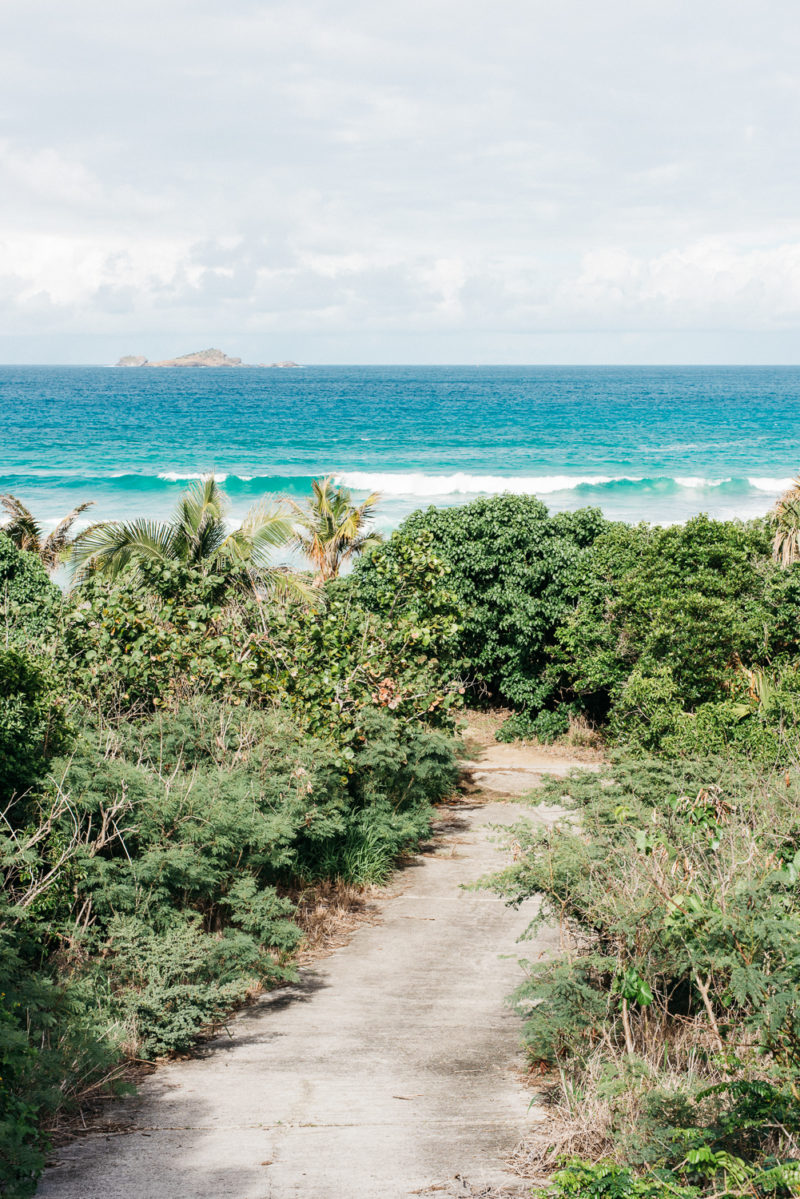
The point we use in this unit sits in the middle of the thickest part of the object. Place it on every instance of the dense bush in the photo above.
(50, 1050)
(127, 648)
(672, 1014)
(28, 600)
(131, 649)
(337, 665)
(222, 749)
(668, 623)
(515, 572)
(33, 723)
(673, 640)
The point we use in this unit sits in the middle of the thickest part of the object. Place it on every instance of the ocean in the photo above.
(642, 443)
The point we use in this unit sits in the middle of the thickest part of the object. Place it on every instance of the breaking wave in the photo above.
(413, 483)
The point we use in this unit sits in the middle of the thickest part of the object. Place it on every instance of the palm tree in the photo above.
(27, 534)
(331, 529)
(197, 535)
(786, 519)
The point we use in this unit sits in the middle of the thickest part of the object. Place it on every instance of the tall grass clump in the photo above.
(669, 1019)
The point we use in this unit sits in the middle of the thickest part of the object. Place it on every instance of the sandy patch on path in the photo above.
(516, 767)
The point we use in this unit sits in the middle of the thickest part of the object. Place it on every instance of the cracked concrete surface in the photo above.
(392, 1067)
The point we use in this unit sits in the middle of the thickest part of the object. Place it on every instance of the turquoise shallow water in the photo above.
(658, 444)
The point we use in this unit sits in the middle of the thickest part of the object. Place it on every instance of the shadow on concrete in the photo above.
(158, 1125)
(310, 983)
(164, 1147)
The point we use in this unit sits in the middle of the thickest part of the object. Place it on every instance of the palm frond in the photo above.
(58, 542)
(266, 527)
(364, 544)
(15, 507)
(196, 535)
(23, 529)
(330, 529)
(786, 519)
(282, 584)
(199, 521)
(111, 546)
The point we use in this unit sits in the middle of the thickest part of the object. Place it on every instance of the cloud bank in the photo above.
(311, 179)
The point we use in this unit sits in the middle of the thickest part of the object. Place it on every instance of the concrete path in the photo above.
(515, 769)
(391, 1068)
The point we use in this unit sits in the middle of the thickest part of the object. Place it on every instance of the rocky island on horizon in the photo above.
(205, 358)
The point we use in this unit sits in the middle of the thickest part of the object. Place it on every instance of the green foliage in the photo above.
(144, 880)
(129, 649)
(663, 622)
(338, 666)
(653, 633)
(28, 600)
(785, 520)
(545, 726)
(170, 982)
(514, 570)
(702, 1171)
(394, 777)
(676, 892)
(49, 1049)
(32, 719)
(405, 577)
(607, 1180)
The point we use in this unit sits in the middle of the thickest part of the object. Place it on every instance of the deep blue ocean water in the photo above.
(642, 443)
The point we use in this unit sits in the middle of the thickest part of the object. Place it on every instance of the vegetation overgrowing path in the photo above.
(392, 1068)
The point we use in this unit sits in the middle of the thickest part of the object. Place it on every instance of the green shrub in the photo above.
(665, 618)
(165, 984)
(126, 649)
(675, 1005)
(515, 572)
(648, 632)
(608, 1180)
(33, 723)
(545, 726)
(337, 666)
(29, 602)
(50, 1049)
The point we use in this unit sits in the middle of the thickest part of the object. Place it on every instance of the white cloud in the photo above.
(70, 271)
(444, 168)
(712, 282)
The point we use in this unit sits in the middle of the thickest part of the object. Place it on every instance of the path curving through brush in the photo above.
(393, 1068)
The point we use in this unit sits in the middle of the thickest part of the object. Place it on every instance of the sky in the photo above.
(419, 182)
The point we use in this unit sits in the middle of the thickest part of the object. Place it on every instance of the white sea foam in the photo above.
(768, 484)
(171, 476)
(419, 484)
(414, 483)
(696, 481)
